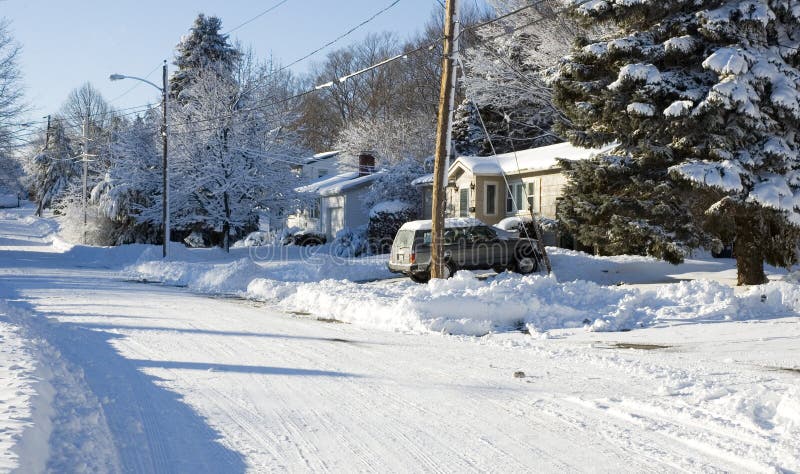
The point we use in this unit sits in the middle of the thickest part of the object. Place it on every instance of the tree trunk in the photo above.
(749, 255)
(226, 227)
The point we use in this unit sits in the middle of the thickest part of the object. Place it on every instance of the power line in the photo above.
(403, 55)
(337, 39)
(257, 16)
(427, 46)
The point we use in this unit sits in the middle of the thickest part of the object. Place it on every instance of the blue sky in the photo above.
(66, 43)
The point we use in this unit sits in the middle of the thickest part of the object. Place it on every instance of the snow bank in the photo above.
(324, 285)
(234, 277)
(466, 305)
(59, 424)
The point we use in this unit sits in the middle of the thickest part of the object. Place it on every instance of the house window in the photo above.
(463, 198)
(531, 195)
(491, 199)
(519, 196)
(314, 211)
(516, 197)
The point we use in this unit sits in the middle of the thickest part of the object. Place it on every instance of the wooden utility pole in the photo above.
(39, 205)
(164, 169)
(85, 171)
(442, 135)
(47, 134)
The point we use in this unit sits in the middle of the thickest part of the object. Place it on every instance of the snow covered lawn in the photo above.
(132, 377)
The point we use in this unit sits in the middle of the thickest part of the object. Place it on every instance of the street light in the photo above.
(164, 173)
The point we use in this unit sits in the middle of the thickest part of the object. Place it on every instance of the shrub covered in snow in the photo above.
(255, 239)
(385, 219)
(350, 243)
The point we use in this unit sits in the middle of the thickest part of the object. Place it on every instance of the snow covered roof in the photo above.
(533, 159)
(451, 222)
(345, 185)
(422, 180)
(336, 184)
(321, 156)
(325, 182)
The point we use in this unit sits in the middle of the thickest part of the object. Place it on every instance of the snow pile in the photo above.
(18, 372)
(467, 306)
(234, 277)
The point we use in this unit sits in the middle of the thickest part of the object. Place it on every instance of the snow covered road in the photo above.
(149, 378)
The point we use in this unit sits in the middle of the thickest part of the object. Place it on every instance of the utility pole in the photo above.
(85, 171)
(47, 134)
(164, 171)
(442, 135)
(39, 205)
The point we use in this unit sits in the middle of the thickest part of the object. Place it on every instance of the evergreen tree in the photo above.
(700, 95)
(204, 47)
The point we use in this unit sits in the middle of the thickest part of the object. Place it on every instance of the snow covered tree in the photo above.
(11, 106)
(695, 92)
(394, 139)
(130, 193)
(232, 151)
(203, 47)
(52, 167)
(394, 184)
(508, 69)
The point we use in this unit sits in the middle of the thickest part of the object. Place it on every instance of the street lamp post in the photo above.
(164, 168)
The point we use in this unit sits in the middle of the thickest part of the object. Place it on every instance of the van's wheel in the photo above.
(420, 277)
(526, 262)
(499, 269)
(448, 269)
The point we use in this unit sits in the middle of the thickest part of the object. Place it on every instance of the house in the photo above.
(507, 185)
(337, 202)
(318, 166)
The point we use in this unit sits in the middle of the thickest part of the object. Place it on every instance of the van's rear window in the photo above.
(404, 238)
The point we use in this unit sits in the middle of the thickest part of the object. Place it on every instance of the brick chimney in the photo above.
(366, 163)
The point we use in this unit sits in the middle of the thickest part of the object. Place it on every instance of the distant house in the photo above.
(508, 185)
(318, 166)
(336, 202)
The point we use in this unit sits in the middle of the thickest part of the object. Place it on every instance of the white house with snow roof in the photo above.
(336, 202)
(508, 185)
(318, 166)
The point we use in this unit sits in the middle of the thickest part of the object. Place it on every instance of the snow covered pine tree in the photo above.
(697, 93)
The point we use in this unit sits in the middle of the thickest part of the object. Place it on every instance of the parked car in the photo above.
(305, 239)
(469, 244)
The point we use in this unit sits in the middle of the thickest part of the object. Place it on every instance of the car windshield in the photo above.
(482, 234)
(404, 238)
